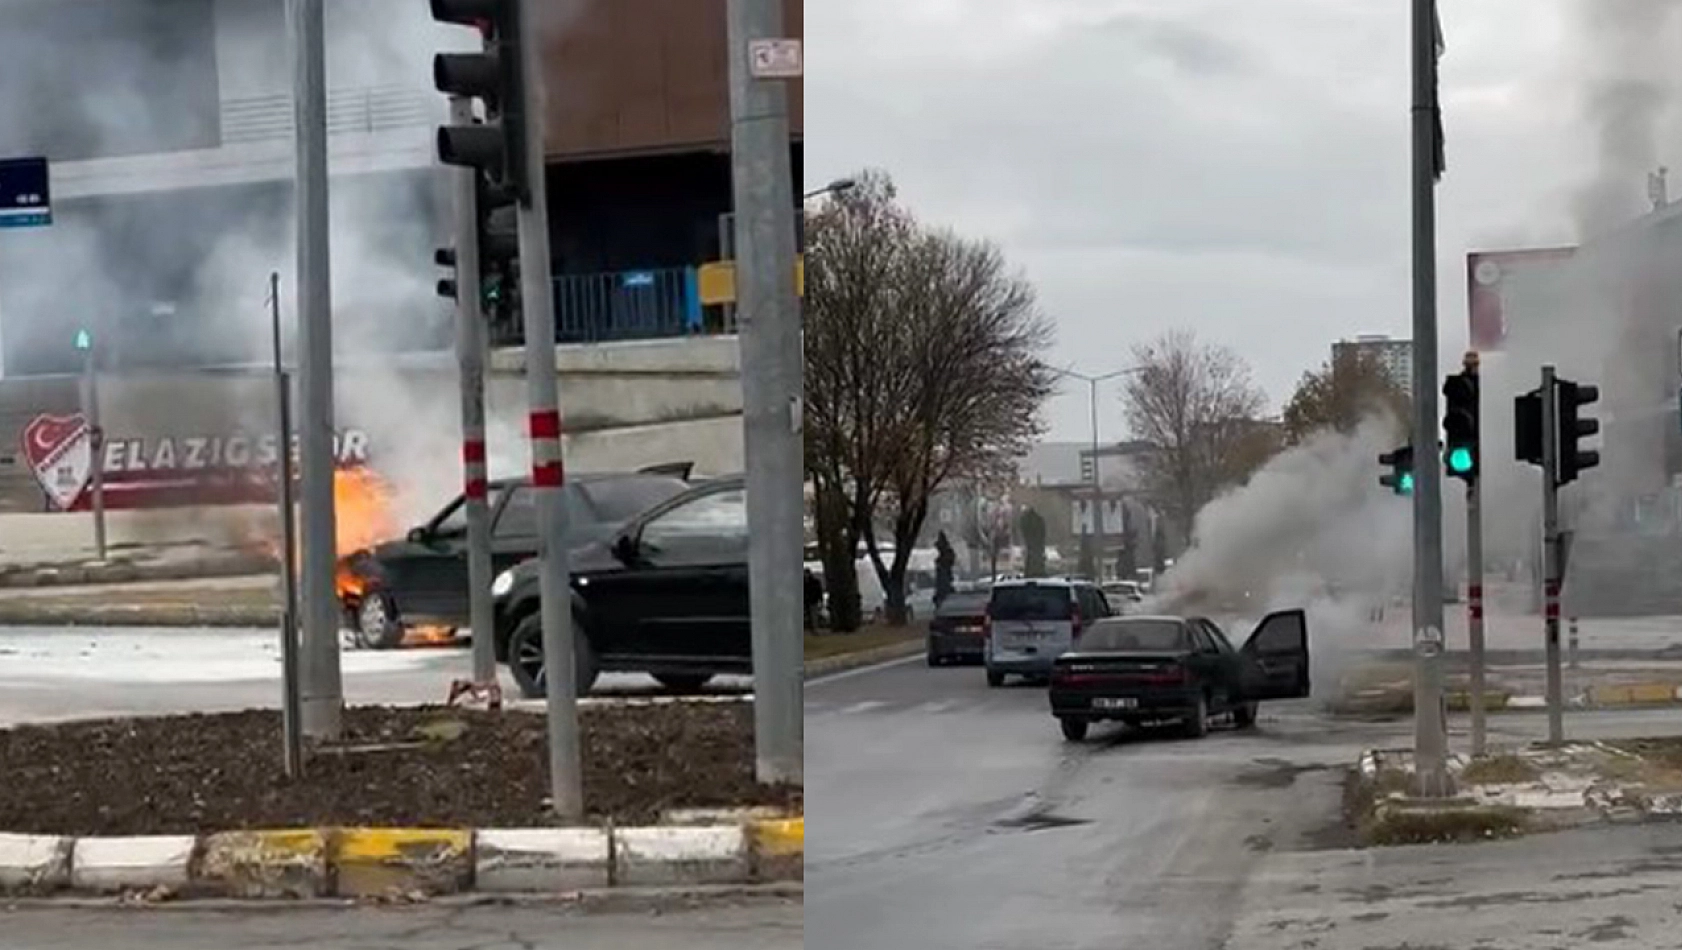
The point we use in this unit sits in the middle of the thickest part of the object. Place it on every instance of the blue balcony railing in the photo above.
(627, 305)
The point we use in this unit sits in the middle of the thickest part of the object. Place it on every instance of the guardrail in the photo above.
(364, 110)
(627, 305)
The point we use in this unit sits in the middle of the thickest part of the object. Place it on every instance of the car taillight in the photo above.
(1074, 623)
(1177, 676)
(987, 625)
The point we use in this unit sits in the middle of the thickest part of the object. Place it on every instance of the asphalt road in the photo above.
(948, 815)
(67, 673)
(757, 925)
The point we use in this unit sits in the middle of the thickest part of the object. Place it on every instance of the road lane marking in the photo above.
(862, 670)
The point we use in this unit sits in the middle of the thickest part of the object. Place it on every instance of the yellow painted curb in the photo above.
(779, 839)
(1633, 694)
(371, 862)
(254, 864)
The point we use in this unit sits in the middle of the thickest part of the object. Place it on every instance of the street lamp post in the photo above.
(1097, 485)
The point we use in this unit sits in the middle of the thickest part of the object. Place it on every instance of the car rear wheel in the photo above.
(1197, 724)
(1074, 730)
(995, 679)
(1244, 715)
(683, 682)
(525, 657)
(377, 624)
(935, 659)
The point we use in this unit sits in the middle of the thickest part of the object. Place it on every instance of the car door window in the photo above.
(518, 517)
(1221, 642)
(714, 521)
(452, 521)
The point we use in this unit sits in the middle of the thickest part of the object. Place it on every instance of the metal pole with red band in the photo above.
(471, 344)
(562, 657)
(1550, 552)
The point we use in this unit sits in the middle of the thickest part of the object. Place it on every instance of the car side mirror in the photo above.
(419, 536)
(625, 548)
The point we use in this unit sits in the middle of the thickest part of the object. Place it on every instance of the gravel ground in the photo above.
(426, 767)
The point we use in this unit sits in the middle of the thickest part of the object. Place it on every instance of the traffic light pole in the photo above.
(1474, 605)
(1430, 733)
(323, 683)
(470, 359)
(1550, 554)
(772, 365)
(566, 784)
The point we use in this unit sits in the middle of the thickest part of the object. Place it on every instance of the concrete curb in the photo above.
(407, 863)
(852, 661)
(119, 571)
(20, 612)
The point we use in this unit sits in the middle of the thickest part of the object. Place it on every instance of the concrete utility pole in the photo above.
(1430, 726)
(772, 366)
(547, 474)
(470, 359)
(323, 685)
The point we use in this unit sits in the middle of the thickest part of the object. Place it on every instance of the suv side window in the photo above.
(1100, 601)
(719, 518)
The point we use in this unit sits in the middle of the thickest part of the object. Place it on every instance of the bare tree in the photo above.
(1342, 393)
(973, 351)
(1195, 403)
(853, 248)
(923, 367)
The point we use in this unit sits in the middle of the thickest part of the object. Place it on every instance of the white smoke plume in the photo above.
(1311, 529)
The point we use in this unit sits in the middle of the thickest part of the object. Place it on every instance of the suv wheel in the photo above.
(1074, 730)
(683, 682)
(377, 623)
(525, 657)
(995, 678)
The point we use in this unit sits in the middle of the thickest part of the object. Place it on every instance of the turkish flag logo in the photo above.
(59, 450)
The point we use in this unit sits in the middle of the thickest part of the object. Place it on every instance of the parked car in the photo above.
(421, 579)
(958, 629)
(664, 594)
(1152, 669)
(1122, 595)
(1030, 622)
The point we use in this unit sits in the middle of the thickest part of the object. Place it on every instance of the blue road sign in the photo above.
(25, 201)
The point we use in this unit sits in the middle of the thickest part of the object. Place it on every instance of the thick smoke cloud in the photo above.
(1312, 529)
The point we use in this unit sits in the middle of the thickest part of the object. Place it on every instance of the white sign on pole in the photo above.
(776, 59)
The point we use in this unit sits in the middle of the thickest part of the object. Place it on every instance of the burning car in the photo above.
(419, 580)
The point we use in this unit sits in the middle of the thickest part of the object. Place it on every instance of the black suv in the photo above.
(422, 579)
(667, 594)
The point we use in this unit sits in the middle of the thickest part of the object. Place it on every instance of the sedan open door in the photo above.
(1276, 658)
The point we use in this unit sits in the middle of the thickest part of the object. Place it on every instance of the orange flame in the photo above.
(363, 514)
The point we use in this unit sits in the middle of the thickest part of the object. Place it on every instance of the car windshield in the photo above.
(963, 605)
(1143, 636)
(1031, 602)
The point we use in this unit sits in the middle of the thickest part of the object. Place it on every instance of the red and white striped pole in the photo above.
(470, 360)
(1474, 573)
(538, 310)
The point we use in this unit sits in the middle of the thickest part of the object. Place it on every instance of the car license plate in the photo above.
(1104, 702)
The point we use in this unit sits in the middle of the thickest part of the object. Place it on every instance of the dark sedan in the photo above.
(958, 630)
(1154, 669)
(422, 579)
(665, 594)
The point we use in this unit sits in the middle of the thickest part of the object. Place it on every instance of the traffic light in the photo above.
(1400, 477)
(1573, 428)
(1527, 427)
(497, 146)
(499, 264)
(445, 257)
(1460, 425)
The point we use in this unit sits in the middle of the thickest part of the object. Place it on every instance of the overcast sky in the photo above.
(1235, 167)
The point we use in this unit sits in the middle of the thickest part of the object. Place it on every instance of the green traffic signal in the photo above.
(1460, 460)
(1405, 486)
